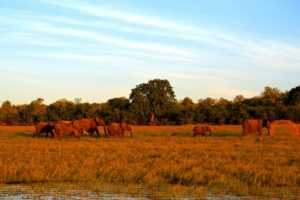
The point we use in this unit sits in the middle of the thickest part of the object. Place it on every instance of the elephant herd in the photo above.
(85, 126)
(88, 126)
(252, 126)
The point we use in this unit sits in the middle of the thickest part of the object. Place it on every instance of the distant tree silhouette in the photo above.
(155, 101)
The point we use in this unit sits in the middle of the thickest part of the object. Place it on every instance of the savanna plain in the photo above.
(159, 160)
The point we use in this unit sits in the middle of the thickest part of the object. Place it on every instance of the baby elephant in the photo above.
(201, 130)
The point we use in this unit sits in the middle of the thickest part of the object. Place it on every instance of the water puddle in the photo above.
(21, 192)
(17, 192)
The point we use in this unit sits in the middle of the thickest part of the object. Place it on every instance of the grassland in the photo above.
(161, 159)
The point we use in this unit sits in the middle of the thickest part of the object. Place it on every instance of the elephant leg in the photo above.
(52, 134)
(91, 133)
(77, 133)
(59, 136)
(38, 133)
(260, 131)
(105, 132)
(55, 135)
(97, 131)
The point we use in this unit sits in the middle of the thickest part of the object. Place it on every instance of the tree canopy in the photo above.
(155, 100)
(156, 96)
(294, 96)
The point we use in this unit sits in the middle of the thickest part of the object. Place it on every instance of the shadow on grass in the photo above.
(182, 134)
(213, 134)
(226, 134)
(16, 135)
(24, 134)
(185, 134)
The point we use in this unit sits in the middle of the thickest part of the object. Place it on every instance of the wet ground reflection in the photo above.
(27, 192)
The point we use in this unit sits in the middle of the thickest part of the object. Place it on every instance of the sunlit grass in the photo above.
(165, 157)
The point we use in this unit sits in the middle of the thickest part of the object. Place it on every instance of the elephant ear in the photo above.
(123, 126)
(100, 122)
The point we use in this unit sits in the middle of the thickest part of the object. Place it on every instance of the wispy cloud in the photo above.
(263, 53)
(48, 28)
(285, 55)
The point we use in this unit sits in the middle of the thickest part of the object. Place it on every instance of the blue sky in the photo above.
(97, 50)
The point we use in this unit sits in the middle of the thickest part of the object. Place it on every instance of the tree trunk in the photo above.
(152, 119)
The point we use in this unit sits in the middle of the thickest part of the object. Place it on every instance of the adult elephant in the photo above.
(44, 127)
(119, 129)
(63, 128)
(201, 130)
(292, 126)
(90, 125)
(255, 125)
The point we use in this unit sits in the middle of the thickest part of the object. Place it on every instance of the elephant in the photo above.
(67, 128)
(255, 125)
(90, 125)
(118, 129)
(201, 130)
(293, 127)
(44, 127)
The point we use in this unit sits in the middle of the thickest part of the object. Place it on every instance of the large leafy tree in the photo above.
(153, 98)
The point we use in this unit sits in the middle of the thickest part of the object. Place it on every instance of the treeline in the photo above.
(154, 102)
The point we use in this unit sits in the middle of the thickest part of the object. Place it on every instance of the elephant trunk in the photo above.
(268, 126)
(131, 132)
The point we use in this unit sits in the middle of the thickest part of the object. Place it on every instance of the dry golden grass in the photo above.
(158, 157)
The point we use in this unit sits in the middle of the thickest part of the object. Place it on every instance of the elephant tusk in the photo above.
(85, 133)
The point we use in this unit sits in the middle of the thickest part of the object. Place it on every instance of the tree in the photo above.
(8, 113)
(294, 96)
(185, 111)
(121, 103)
(208, 101)
(187, 101)
(238, 98)
(38, 110)
(118, 109)
(271, 94)
(62, 109)
(155, 97)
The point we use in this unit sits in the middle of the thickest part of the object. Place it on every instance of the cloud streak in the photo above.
(285, 54)
(270, 54)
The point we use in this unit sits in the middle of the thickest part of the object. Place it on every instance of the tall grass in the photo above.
(224, 163)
